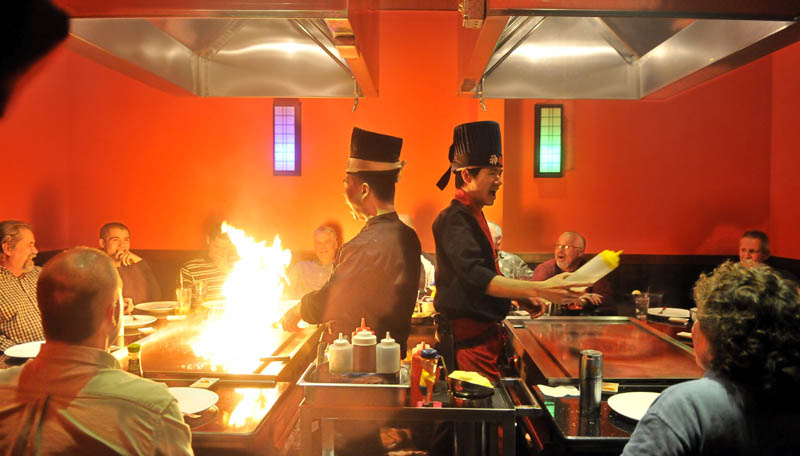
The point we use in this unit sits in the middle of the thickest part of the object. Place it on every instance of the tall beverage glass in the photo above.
(184, 298)
(641, 304)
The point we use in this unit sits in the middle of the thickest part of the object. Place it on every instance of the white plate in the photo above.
(194, 400)
(214, 304)
(668, 312)
(26, 350)
(157, 306)
(632, 405)
(137, 321)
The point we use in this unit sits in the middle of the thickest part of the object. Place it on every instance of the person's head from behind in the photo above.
(747, 327)
(221, 250)
(79, 294)
(325, 244)
(365, 191)
(115, 239)
(372, 172)
(497, 234)
(568, 250)
(17, 246)
(30, 29)
(753, 248)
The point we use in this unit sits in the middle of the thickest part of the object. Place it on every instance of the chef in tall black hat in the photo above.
(472, 296)
(376, 273)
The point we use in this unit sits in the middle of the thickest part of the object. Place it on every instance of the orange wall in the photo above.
(164, 163)
(685, 175)
(35, 149)
(682, 176)
(785, 186)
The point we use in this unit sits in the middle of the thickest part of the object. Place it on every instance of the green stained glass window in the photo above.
(548, 151)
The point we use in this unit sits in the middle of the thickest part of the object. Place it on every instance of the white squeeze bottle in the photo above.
(596, 268)
(388, 355)
(341, 355)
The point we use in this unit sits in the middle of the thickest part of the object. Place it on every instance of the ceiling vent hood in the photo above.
(229, 48)
(613, 49)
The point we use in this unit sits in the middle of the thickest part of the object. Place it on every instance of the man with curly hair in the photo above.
(746, 337)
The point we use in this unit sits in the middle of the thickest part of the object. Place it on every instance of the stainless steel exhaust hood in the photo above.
(606, 49)
(216, 48)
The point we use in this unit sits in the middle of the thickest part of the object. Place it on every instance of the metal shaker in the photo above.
(591, 386)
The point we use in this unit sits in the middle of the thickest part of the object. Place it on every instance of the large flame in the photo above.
(246, 329)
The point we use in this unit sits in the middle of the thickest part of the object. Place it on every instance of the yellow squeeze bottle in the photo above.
(596, 268)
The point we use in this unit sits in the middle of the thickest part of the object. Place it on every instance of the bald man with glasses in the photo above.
(568, 257)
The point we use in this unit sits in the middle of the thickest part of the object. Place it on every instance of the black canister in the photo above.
(591, 387)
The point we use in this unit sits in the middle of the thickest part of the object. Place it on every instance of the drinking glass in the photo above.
(655, 299)
(641, 303)
(184, 297)
(199, 289)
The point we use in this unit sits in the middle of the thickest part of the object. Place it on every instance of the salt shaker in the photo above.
(591, 386)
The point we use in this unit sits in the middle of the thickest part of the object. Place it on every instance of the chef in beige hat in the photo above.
(376, 274)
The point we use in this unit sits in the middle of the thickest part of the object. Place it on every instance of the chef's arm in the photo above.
(555, 289)
(315, 307)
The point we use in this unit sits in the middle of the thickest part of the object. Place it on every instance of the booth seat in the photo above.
(673, 275)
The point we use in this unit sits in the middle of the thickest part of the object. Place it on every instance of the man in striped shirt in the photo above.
(214, 269)
(20, 320)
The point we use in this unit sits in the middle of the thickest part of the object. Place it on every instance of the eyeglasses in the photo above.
(565, 247)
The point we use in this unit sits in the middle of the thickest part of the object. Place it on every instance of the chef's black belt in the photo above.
(480, 339)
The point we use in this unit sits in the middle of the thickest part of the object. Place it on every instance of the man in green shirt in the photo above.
(73, 398)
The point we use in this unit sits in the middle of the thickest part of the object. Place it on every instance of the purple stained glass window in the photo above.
(286, 137)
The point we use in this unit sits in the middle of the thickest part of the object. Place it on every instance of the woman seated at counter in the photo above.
(747, 339)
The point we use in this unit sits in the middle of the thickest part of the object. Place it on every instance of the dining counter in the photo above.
(637, 355)
(256, 411)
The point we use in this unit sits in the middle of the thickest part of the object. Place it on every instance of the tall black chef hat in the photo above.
(475, 145)
(371, 152)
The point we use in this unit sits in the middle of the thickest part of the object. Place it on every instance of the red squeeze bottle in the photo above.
(363, 327)
(416, 373)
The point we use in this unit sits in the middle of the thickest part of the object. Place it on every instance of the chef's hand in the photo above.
(535, 307)
(127, 258)
(128, 309)
(592, 298)
(290, 319)
(558, 290)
